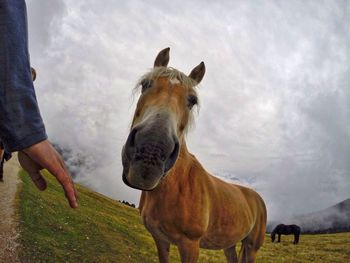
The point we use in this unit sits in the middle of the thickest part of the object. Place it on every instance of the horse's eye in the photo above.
(146, 83)
(191, 101)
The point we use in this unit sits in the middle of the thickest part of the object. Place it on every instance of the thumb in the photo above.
(38, 180)
(27, 163)
(33, 169)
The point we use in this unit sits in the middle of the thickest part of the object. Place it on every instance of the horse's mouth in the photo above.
(125, 180)
(146, 172)
(143, 185)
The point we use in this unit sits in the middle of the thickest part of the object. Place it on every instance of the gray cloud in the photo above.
(45, 16)
(274, 102)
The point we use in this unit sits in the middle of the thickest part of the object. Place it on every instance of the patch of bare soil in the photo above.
(8, 220)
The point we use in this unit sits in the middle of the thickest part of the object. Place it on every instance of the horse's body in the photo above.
(282, 229)
(183, 204)
(192, 209)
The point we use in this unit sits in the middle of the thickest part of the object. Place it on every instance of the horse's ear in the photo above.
(33, 71)
(198, 72)
(162, 58)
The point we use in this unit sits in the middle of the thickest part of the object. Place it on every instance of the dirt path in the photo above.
(8, 222)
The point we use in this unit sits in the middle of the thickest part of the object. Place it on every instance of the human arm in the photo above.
(21, 125)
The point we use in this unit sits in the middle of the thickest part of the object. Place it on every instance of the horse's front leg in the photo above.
(163, 250)
(279, 237)
(189, 250)
(231, 254)
(296, 239)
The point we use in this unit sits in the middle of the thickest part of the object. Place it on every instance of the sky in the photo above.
(274, 103)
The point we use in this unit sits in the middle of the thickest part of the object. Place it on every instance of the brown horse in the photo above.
(181, 203)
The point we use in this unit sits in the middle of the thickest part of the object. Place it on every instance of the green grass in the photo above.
(104, 230)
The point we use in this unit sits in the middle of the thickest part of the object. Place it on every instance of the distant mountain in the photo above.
(334, 219)
(76, 162)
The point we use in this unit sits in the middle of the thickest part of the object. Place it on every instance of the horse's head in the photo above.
(162, 115)
(273, 236)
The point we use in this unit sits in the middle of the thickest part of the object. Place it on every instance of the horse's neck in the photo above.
(184, 154)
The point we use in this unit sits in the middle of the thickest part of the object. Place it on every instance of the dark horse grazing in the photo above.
(181, 203)
(286, 230)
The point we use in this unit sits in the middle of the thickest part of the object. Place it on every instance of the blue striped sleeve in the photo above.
(21, 124)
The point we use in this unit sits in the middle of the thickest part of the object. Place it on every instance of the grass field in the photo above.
(104, 230)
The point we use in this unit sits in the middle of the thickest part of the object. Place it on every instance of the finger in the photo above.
(68, 187)
(63, 177)
(38, 180)
(44, 154)
(33, 169)
(65, 180)
(27, 163)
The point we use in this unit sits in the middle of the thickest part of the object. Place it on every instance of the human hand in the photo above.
(43, 156)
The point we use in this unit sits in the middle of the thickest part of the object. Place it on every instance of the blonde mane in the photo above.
(172, 73)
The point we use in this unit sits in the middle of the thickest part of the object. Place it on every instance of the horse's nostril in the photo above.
(129, 147)
(175, 151)
(173, 157)
(131, 138)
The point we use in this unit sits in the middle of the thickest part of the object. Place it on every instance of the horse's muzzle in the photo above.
(147, 156)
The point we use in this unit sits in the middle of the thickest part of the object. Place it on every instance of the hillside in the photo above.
(333, 219)
(104, 230)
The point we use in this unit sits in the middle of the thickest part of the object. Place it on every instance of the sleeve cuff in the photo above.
(14, 146)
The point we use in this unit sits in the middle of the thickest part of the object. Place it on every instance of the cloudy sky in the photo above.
(275, 101)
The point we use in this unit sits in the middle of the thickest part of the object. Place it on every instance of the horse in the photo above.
(286, 230)
(181, 203)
